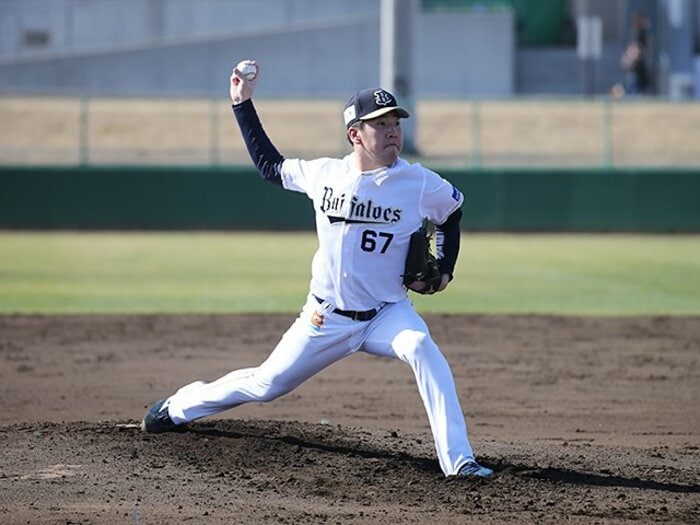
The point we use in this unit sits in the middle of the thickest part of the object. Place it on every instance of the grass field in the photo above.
(269, 272)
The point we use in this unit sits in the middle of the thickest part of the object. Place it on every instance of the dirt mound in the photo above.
(233, 471)
(585, 420)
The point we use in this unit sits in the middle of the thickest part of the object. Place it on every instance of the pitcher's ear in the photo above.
(354, 135)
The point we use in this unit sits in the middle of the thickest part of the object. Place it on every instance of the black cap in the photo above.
(371, 103)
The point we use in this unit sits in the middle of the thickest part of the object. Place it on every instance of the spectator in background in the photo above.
(634, 60)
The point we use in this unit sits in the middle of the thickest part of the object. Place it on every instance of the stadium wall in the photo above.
(222, 198)
(319, 58)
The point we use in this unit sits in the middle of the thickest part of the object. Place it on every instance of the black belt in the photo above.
(355, 315)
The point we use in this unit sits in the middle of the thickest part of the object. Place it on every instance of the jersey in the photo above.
(364, 221)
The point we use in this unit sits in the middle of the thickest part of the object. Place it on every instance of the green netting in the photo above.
(539, 22)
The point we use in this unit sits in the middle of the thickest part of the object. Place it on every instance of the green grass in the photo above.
(268, 272)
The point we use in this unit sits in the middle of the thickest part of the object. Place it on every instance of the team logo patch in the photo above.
(456, 194)
(349, 114)
(317, 321)
(383, 98)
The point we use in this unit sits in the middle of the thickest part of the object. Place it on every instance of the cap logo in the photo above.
(382, 98)
(349, 114)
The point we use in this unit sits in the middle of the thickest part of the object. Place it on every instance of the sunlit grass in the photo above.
(576, 274)
(270, 272)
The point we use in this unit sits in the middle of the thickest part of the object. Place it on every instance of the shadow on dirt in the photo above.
(348, 446)
(313, 441)
(571, 477)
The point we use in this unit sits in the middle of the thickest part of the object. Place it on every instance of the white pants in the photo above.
(307, 348)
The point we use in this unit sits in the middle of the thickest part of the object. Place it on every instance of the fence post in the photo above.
(83, 130)
(607, 134)
(214, 155)
(475, 129)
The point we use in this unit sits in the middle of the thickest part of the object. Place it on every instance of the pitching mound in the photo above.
(585, 420)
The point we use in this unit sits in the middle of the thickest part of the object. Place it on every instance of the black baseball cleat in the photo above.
(474, 470)
(157, 419)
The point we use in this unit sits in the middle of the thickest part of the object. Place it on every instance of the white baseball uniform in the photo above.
(364, 222)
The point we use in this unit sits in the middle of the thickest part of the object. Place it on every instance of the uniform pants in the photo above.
(397, 332)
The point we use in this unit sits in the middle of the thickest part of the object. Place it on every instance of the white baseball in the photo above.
(247, 69)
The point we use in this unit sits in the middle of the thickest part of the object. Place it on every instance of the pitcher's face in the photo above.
(380, 140)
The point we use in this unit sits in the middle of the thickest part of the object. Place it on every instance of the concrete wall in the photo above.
(294, 63)
(93, 25)
(306, 48)
(466, 54)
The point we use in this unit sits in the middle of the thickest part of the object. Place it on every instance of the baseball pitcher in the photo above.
(373, 211)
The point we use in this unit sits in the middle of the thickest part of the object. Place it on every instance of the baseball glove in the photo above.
(421, 264)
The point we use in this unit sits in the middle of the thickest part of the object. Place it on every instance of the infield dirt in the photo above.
(586, 420)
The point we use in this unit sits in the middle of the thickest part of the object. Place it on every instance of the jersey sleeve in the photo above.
(300, 175)
(440, 198)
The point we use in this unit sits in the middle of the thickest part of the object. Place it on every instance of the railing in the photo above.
(455, 133)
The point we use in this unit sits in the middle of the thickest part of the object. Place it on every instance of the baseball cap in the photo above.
(371, 103)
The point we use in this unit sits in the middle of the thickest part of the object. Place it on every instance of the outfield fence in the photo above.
(234, 198)
(524, 133)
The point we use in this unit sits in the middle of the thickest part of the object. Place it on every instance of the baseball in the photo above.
(247, 69)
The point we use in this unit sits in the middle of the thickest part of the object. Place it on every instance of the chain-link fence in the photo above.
(470, 133)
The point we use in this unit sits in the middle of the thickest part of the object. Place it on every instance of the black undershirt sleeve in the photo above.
(265, 156)
(447, 237)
